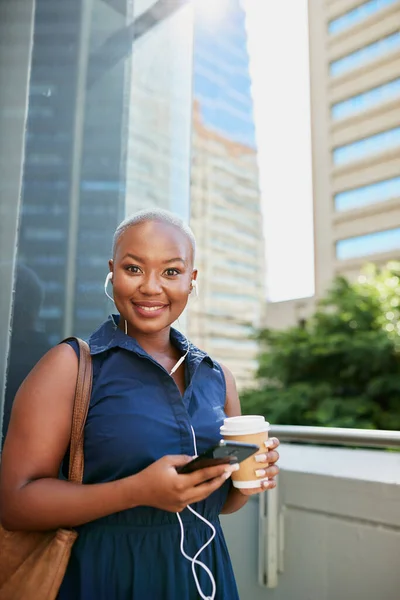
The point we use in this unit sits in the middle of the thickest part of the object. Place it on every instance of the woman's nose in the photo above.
(151, 285)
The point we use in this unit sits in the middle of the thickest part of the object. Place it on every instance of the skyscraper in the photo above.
(73, 195)
(355, 117)
(159, 121)
(355, 93)
(68, 146)
(225, 197)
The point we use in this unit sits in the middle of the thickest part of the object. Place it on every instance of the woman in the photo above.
(145, 419)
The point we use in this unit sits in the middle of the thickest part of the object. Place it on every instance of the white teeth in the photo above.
(150, 308)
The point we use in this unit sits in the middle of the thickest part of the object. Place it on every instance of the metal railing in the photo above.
(271, 524)
(374, 438)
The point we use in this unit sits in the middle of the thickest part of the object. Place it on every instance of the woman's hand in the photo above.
(270, 472)
(160, 486)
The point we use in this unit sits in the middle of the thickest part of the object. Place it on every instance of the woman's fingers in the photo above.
(264, 486)
(272, 457)
(269, 472)
(268, 484)
(202, 475)
(203, 490)
(176, 460)
(272, 443)
(269, 457)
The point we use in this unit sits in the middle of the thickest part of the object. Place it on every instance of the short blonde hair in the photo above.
(154, 214)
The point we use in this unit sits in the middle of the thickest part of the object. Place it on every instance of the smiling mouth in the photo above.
(150, 308)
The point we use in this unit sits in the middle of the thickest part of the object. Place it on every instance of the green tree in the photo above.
(341, 368)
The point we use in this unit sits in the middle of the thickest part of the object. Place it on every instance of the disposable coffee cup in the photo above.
(250, 429)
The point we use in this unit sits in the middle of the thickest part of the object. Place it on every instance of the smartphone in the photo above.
(223, 453)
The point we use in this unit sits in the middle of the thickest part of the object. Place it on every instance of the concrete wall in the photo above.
(280, 315)
(338, 528)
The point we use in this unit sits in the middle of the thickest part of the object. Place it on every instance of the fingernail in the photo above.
(260, 458)
(231, 468)
(227, 474)
(269, 443)
(260, 473)
(268, 484)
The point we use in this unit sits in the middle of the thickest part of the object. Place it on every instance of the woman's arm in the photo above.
(38, 437)
(31, 495)
(236, 499)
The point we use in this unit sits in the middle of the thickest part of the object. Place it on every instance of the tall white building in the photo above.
(355, 116)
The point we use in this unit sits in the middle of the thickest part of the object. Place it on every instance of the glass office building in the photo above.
(95, 121)
(225, 195)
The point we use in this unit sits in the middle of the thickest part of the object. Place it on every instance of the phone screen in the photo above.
(223, 453)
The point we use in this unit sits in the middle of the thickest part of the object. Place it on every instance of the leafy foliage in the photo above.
(341, 368)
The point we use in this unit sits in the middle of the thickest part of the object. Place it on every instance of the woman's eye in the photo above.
(133, 269)
(171, 272)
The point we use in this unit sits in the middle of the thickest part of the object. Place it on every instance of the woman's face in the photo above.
(152, 272)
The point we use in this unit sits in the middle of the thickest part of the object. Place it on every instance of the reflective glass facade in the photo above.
(107, 107)
(222, 84)
(226, 200)
(366, 245)
(357, 15)
(369, 99)
(365, 55)
(368, 194)
(367, 146)
(95, 122)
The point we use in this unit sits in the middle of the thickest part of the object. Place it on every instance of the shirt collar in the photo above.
(109, 336)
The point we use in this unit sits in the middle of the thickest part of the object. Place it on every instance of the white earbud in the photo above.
(108, 278)
(195, 287)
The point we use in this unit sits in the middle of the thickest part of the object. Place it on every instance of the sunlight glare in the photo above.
(211, 10)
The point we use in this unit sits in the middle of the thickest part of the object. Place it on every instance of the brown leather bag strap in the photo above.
(83, 392)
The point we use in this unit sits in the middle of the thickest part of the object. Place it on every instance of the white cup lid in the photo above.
(244, 425)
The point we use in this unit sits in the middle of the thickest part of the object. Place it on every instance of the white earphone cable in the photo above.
(194, 560)
(180, 361)
(108, 278)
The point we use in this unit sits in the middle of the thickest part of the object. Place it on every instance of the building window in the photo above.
(102, 186)
(358, 14)
(367, 147)
(365, 245)
(355, 104)
(365, 55)
(41, 234)
(368, 194)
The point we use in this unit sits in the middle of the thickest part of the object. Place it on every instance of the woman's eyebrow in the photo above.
(137, 258)
(164, 262)
(171, 260)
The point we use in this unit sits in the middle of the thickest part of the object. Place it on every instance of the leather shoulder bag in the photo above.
(33, 563)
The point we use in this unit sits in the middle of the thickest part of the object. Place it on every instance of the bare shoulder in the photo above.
(60, 360)
(40, 424)
(54, 376)
(232, 402)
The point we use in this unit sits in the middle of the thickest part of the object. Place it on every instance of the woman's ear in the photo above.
(193, 284)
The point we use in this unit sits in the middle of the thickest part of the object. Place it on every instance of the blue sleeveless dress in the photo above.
(136, 416)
